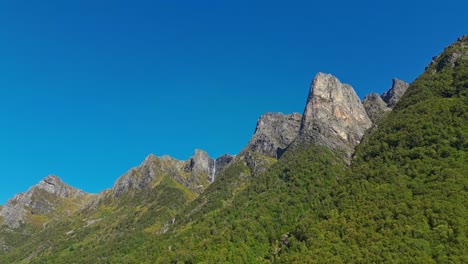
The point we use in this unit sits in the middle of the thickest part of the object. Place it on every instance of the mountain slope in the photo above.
(405, 197)
(399, 196)
(402, 200)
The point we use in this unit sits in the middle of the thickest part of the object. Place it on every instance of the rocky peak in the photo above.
(375, 107)
(200, 162)
(141, 176)
(451, 55)
(334, 115)
(42, 198)
(196, 173)
(54, 185)
(392, 96)
(274, 133)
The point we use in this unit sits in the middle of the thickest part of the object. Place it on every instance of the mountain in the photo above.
(274, 133)
(41, 202)
(392, 96)
(196, 173)
(333, 117)
(378, 106)
(321, 187)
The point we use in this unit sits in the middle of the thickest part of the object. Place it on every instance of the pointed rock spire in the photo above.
(334, 115)
(392, 96)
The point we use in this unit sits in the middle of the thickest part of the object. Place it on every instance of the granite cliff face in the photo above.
(45, 198)
(274, 133)
(333, 117)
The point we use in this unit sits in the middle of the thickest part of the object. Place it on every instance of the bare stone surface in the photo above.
(334, 116)
(196, 173)
(375, 107)
(39, 199)
(392, 96)
(274, 133)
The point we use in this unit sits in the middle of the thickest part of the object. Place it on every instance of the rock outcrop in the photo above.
(41, 199)
(333, 117)
(451, 55)
(392, 96)
(274, 133)
(378, 106)
(196, 173)
(375, 107)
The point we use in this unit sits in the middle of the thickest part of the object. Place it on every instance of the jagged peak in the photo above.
(201, 153)
(333, 116)
(396, 91)
(54, 185)
(50, 180)
(149, 160)
(450, 55)
(273, 133)
(463, 38)
(14, 212)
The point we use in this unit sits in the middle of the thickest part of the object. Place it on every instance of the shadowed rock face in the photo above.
(334, 116)
(392, 96)
(375, 107)
(39, 199)
(378, 106)
(274, 133)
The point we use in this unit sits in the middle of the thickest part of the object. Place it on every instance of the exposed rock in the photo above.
(196, 173)
(449, 59)
(274, 133)
(375, 107)
(392, 96)
(334, 116)
(42, 198)
(200, 162)
(143, 176)
(204, 168)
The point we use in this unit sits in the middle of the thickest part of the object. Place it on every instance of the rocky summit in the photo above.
(398, 89)
(378, 106)
(41, 199)
(196, 173)
(334, 116)
(375, 107)
(274, 133)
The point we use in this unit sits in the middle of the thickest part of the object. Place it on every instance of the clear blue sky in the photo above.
(89, 88)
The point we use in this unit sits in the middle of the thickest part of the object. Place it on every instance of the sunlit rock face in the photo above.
(334, 116)
(42, 198)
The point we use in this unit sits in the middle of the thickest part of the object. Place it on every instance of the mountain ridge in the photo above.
(400, 190)
(274, 134)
